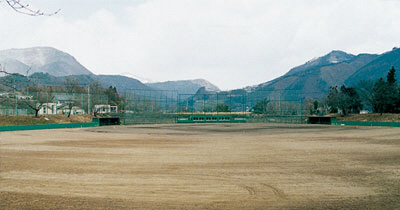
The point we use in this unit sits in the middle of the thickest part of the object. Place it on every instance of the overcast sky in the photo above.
(232, 43)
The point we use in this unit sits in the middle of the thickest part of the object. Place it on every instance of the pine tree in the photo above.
(386, 96)
(380, 96)
(391, 76)
(392, 87)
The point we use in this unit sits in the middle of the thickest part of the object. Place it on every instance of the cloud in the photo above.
(231, 43)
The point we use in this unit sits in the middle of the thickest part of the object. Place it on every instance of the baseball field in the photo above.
(207, 166)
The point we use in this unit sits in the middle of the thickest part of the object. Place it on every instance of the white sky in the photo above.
(231, 43)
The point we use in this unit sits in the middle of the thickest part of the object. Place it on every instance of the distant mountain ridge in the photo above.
(314, 78)
(184, 86)
(378, 68)
(310, 80)
(334, 57)
(122, 83)
(50, 66)
(41, 59)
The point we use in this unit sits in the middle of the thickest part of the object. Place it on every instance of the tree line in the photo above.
(382, 96)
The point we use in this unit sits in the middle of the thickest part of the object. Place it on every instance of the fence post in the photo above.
(204, 103)
(26, 105)
(124, 113)
(16, 103)
(230, 104)
(88, 96)
(217, 104)
(301, 111)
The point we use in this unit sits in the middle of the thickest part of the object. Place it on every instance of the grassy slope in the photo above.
(370, 117)
(51, 119)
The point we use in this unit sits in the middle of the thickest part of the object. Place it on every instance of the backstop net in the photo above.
(160, 106)
(149, 106)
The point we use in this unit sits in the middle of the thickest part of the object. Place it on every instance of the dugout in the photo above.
(321, 120)
(104, 121)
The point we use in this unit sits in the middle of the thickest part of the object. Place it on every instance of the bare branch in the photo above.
(11, 82)
(6, 83)
(25, 9)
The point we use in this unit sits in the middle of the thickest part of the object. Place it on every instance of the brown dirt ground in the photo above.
(209, 166)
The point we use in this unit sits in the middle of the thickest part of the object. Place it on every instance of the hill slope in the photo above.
(377, 68)
(184, 86)
(49, 66)
(122, 83)
(314, 78)
(41, 59)
(333, 57)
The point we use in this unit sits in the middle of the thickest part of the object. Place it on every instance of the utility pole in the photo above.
(88, 92)
(16, 101)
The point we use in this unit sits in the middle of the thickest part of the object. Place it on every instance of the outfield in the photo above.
(208, 166)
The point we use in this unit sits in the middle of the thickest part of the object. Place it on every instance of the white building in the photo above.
(74, 111)
(49, 108)
(104, 108)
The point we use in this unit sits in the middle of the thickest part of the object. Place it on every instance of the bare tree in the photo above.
(96, 96)
(71, 87)
(40, 97)
(26, 9)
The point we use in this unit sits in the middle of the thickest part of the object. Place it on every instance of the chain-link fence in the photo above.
(53, 103)
(157, 106)
(149, 106)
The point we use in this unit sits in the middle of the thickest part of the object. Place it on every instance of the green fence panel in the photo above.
(148, 118)
(47, 126)
(360, 123)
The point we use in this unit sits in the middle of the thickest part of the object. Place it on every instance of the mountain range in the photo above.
(310, 80)
(49, 66)
(41, 59)
(184, 86)
(314, 78)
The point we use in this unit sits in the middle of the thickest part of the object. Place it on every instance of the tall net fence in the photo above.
(159, 106)
(52, 103)
(150, 106)
(275, 107)
(212, 103)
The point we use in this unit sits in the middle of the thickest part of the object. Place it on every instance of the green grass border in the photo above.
(47, 126)
(360, 123)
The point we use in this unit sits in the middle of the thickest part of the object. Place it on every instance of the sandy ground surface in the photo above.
(209, 166)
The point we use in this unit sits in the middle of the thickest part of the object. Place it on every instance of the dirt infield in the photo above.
(219, 166)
